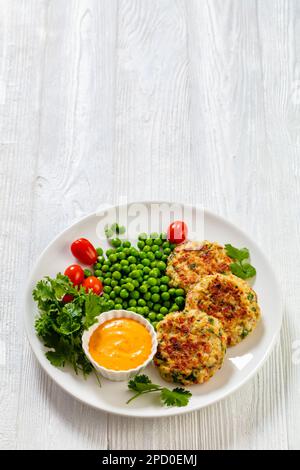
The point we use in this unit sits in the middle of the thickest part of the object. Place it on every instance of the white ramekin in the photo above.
(118, 375)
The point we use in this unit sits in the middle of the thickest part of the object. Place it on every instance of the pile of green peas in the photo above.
(134, 278)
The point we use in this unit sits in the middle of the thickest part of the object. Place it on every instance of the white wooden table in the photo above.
(107, 100)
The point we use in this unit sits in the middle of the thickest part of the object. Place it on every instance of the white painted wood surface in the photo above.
(103, 100)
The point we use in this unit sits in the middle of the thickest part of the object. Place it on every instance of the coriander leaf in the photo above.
(249, 270)
(61, 354)
(237, 270)
(235, 253)
(176, 397)
(93, 308)
(69, 320)
(142, 383)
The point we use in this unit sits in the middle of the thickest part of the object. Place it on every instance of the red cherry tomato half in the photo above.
(84, 251)
(67, 298)
(94, 284)
(75, 273)
(177, 232)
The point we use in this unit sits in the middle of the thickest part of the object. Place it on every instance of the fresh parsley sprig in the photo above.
(141, 384)
(60, 325)
(241, 266)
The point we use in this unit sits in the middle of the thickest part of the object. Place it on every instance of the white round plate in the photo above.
(242, 361)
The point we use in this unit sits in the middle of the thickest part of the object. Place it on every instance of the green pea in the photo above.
(134, 274)
(152, 281)
(98, 273)
(157, 241)
(129, 286)
(159, 317)
(147, 296)
(109, 252)
(116, 267)
(165, 296)
(126, 269)
(155, 298)
(105, 268)
(135, 295)
(119, 250)
(164, 310)
(154, 290)
(100, 278)
(114, 283)
(132, 267)
(124, 262)
(118, 300)
(166, 245)
(142, 236)
(131, 259)
(165, 279)
(110, 304)
(139, 310)
(167, 251)
(156, 307)
(150, 303)
(153, 264)
(154, 324)
(154, 248)
(146, 270)
(140, 244)
(133, 251)
(97, 266)
(163, 288)
(99, 251)
(122, 229)
(165, 258)
(133, 309)
(140, 267)
(149, 242)
(152, 316)
(163, 236)
(146, 310)
(141, 303)
(126, 244)
(146, 249)
(151, 256)
(179, 292)
(167, 304)
(121, 256)
(117, 289)
(132, 303)
(113, 258)
(161, 265)
(105, 296)
(154, 235)
(172, 291)
(107, 275)
(154, 272)
(174, 308)
(118, 307)
(125, 304)
(126, 251)
(124, 294)
(158, 255)
(143, 288)
(107, 289)
(107, 281)
(180, 301)
(116, 275)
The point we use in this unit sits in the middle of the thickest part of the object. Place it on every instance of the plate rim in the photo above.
(171, 411)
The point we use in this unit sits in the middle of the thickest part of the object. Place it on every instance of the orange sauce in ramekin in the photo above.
(120, 344)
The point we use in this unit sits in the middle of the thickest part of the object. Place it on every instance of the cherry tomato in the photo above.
(177, 232)
(84, 251)
(94, 284)
(75, 273)
(67, 298)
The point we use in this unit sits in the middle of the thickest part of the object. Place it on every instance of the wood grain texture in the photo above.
(115, 100)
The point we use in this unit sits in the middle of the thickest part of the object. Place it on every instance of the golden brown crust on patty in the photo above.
(229, 299)
(191, 347)
(192, 260)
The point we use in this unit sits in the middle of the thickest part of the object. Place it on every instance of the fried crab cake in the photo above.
(229, 299)
(192, 260)
(191, 347)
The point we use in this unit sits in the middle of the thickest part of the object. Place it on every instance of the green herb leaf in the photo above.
(69, 320)
(93, 308)
(241, 267)
(176, 397)
(142, 385)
